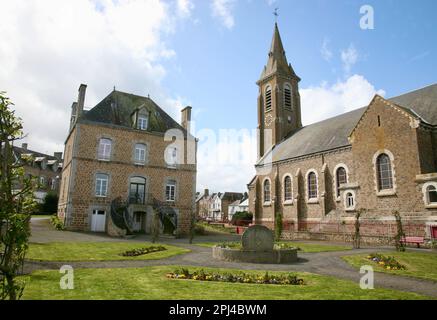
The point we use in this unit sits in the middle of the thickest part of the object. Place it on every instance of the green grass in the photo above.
(151, 283)
(305, 247)
(216, 228)
(95, 251)
(419, 265)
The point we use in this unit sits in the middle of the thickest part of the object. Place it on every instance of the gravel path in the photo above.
(324, 263)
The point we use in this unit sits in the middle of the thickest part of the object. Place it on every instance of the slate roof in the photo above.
(117, 109)
(277, 62)
(333, 133)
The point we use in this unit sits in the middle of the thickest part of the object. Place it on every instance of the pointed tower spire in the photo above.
(277, 62)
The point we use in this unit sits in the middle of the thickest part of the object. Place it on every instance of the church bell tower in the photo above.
(278, 100)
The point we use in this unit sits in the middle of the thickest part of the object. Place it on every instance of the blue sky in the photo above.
(208, 54)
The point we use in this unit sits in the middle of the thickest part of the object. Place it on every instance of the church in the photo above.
(381, 158)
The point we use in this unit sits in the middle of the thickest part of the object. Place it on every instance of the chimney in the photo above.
(24, 146)
(58, 155)
(186, 118)
(81, 100)
(206, 192)
(73, 114)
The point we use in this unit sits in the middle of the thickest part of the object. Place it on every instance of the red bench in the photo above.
(415, 240)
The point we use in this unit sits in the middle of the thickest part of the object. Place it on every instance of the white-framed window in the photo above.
(170, 190)
(267, 191)
(288, 189)
(349, 200)
(312, 185)
(42, 182)
(140, 153)
(429, 191)
(268, 98)
(105, 146)
(143, 122)
(102, 185)
(288, 102)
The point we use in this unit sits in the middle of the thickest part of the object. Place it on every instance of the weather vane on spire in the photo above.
(276, 14)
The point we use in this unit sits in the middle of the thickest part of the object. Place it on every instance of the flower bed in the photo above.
(388, 263)
(142, 251)
(284, 279)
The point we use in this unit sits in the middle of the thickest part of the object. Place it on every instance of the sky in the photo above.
(209, 54)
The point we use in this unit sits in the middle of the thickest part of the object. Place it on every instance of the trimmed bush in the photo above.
(242, 218)
(143, 251)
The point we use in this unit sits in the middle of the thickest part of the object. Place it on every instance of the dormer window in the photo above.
(143, 122)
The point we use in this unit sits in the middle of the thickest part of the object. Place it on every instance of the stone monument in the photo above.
(257, 247)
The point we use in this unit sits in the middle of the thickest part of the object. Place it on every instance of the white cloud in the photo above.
(325, 51)
(185, 7)
(270, 2)
(49, 47)
(225, 159)
(325, 101)
(223, 10)
(349, 57)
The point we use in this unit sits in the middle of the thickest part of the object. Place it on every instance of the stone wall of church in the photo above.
(383, 128)
(396, 135)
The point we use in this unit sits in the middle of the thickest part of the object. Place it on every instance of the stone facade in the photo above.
(383, 128)
(78, 197)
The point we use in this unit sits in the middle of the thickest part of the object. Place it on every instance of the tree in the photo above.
(16, 204)
(357, 235)
(278, 226)
(50, 204)
(400, 235)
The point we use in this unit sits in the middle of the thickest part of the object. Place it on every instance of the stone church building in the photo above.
(381, 158)
(127, 165)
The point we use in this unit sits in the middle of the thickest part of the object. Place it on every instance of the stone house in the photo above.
(381, 157)
(45, 169)
(221, 202)
(238, 206)
(127, 162)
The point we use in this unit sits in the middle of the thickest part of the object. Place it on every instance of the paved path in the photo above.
(324, 263)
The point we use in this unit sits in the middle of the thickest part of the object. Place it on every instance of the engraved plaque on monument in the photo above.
(258, 238)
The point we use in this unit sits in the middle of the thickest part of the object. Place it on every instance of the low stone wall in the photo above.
(252, 256)
(337, 237)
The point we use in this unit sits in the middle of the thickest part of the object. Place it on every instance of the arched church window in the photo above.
(312, 185)
(268, 98)
(288, 195)
(267, 191)
(341, 178)
(384, 172)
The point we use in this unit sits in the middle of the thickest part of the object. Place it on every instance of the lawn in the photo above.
(419, 265)
(95, 251)
(45, 216)
(305, 247)
(151, 283)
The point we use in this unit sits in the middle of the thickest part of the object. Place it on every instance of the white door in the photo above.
(98, 221)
